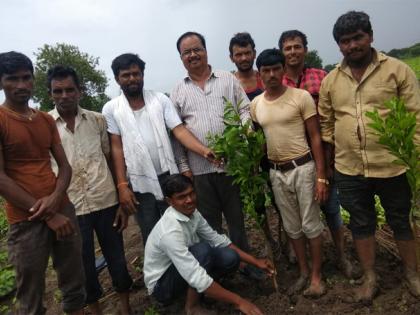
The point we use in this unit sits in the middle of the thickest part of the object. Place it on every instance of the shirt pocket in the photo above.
(379, 92)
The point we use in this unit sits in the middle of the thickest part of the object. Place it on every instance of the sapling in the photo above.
(242, 150)
(397, 133)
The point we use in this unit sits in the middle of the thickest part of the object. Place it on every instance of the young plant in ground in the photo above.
(242, 150)
(397, 132)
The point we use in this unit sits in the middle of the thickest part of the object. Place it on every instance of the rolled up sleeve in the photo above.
(175, 247)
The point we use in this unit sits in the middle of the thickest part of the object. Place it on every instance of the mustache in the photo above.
(21, 91)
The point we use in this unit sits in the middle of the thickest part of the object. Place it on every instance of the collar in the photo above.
(213, 73)
(81, 112)
(179, 216)
(377, 59)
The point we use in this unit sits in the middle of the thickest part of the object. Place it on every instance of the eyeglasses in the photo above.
(188, 52)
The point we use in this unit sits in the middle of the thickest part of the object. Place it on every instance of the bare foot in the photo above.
(299, 285)
(412, 281)
(348, 269)
(368, 290)
(315, 290)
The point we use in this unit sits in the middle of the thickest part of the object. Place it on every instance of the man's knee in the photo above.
(202, 252)
(229, 258)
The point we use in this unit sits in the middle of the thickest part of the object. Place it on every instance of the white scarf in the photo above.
(140, 169)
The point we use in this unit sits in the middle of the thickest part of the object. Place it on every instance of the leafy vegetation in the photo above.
(313, 60)
(414, 64)
(3, 221)
(404, 53)
(7, 275)
(242, 149)
(93, 81)
(397, 132)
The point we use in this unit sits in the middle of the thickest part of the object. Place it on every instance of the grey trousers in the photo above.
(217, 195)
(30, 245)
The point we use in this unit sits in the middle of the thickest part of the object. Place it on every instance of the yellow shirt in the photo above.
(92, 187)
(343, 103)
(283, 122)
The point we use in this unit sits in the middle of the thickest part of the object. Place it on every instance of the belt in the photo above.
(287, 166)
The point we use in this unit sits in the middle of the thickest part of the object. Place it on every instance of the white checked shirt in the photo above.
(202, 113)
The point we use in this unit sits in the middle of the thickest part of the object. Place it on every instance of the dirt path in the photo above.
(393, 297)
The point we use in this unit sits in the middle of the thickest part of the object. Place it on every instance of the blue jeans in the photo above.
(331, 209)
(216, 261)
(112, 247)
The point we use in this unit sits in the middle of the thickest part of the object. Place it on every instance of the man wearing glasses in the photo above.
(198, 97)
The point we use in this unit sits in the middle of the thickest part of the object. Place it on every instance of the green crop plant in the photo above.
(397, 133)
(242, 149)
(7, 275)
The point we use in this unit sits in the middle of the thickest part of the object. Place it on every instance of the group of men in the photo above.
(73, 172)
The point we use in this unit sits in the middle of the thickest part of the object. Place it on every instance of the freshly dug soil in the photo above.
(393, 297)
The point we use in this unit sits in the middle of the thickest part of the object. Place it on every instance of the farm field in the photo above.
(393, 297)
(414, 63)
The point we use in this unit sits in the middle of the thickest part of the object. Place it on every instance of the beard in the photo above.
(244, 67)
(133, 90)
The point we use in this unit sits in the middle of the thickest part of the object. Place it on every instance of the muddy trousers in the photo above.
(30, 245)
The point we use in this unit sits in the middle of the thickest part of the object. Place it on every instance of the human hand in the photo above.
(128, 201)
(188, 174)
(321, 192)
(330, 172)
(61, 225)
(248, 308)
(266, 265)
(45, 207)
(121, 220)
(211, 157)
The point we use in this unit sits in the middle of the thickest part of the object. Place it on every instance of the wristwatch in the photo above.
(323, 180)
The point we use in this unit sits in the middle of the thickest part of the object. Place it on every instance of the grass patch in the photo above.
(414, 64)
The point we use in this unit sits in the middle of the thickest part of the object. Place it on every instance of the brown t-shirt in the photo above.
(26, 146)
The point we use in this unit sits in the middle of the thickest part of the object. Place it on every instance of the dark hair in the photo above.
(125, 61)
(189, 34)
(292, 34)
(242, 40)
(12, 61)
(62, 72)
(176, 183)
(351, 22)
(270, 57)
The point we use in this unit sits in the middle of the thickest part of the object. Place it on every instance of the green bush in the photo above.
(7, 275)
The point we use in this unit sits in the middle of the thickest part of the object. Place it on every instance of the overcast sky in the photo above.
(107, 28)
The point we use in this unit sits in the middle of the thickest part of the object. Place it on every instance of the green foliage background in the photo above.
(405, 53)
(93, 81)
(313, 60)
(414, 64)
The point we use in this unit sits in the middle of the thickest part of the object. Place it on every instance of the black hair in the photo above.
(270, 57)
(62, 72)
(242, 40)
(292, 34)
(125, 61)
(12, 61)
(351, 22)
(176, 183)
(189, 34)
